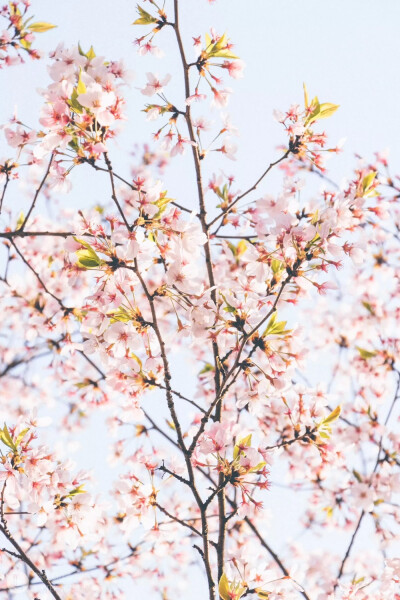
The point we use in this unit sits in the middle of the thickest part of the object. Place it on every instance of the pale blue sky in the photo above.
(347, 51)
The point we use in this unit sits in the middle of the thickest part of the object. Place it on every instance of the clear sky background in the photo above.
(347, 51)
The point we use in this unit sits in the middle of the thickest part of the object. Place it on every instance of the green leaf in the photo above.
(20, 220)
(76, 491)
(314, 104)
(219, 49)
(73, 102)
(162, 204)
(224, 54)
(21, 436)
(145, 17)
(305, 95)
(74, 144)
(41, 27)
(224, 588)
(276, 266)
(137, 359)
(228, 308)
(238, 250)
(119, 315)
(321, 110)
(258, 467)
(25, 44)
(221, 43)
(14, 10)
(81, 87)
(271, 323)
(262, 594)
(90, 53)
(246, 441)
(369, 308)
(241, 248)
(82, 242)
(333, 416)
(367, 182)
(324, 427)
(274, 327)
(206, 369)
(6, 438)
(315, 217)
(82, 384)
(327, 109)
(366, 354)
(88, 259)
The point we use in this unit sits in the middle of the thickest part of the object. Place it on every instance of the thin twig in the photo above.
(37, 193)
(113, 193)
(250, 189)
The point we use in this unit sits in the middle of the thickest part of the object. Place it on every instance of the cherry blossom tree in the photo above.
(282, 308)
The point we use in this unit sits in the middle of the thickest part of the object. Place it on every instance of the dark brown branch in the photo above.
(178, 429)
(25, 558)
(9, 235)
(207, 250)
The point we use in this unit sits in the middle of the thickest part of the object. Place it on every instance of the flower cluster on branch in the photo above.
(237, 347)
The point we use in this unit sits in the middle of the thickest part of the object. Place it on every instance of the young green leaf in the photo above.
(276, 265)
(6, 438)
(21, 436)
(74, 104)
(367, 184)
(90, 53)
(228, 308)
(88, 259)
(41, 27)
(324, 427)
(76, 491)
(258, 467)
(145, 17)
(244, 442)
(327, 109)
(119, 315)
(305, 95)
(206, 369)
(219, 49)
(81, 87)
(333, 416)
(224, 588)
(20, 220)
(366, 354)
(274, 327)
